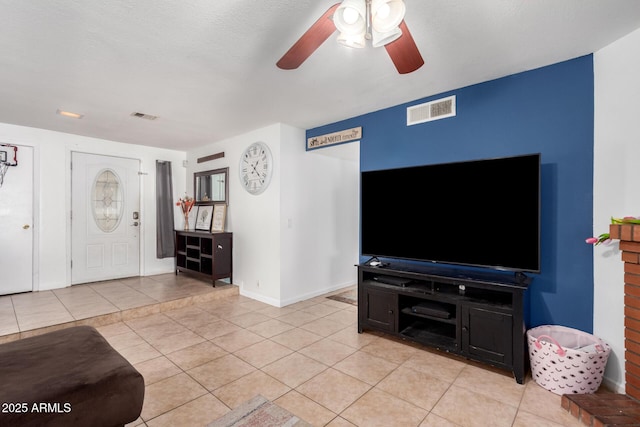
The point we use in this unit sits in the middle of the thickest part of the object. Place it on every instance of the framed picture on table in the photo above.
(203, 219)
(219, 217)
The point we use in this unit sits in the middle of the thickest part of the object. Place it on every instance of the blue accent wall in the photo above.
(549, 111)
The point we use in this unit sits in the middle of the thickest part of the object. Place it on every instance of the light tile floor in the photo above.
(203, 351)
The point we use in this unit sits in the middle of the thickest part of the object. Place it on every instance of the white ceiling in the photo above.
(207, 68)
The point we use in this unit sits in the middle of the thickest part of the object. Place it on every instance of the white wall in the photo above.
(299, 237)
(254, 220)
(319, 218)
(616, 185)
(52, 152)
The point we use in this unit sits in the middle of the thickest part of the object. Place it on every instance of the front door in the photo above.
(105, 218)
(16, 221)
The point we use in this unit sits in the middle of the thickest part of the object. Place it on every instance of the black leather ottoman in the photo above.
(70, 377)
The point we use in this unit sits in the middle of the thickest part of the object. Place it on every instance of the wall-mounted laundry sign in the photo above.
(346, 135)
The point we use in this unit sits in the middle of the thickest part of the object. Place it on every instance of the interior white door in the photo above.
(16, 223)
(105, 218)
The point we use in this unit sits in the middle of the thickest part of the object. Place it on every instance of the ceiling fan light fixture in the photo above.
(356, 41)
(350, 17)
(387, 15)
(353, 20)
(380, 39)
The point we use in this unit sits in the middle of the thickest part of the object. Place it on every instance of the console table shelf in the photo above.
(204, 255)
(477, 315)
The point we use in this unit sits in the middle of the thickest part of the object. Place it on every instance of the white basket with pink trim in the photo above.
(565, 360)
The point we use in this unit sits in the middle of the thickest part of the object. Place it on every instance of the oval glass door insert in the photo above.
(107, 200)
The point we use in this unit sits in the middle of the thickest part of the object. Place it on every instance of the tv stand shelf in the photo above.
(474, 314)
(409, 312)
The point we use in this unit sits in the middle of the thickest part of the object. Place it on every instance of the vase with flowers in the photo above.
(186, 203)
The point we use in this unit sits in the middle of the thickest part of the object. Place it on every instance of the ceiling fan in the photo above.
(380, 21)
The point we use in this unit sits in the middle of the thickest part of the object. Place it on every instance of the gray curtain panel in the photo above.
(165, 246)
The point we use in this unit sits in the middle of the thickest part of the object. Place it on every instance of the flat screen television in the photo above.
(480, 213)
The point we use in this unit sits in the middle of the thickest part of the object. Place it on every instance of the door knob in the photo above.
(26, 227)
(135, 223)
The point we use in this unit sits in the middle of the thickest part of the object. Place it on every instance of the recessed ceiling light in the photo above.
(69, 114)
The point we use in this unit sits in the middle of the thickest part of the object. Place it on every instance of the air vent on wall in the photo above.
(144, 116)
(433, 110)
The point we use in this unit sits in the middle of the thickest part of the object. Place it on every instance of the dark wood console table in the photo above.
(204, 254)
(478, 316)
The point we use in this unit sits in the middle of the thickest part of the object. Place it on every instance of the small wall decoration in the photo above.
(219, 217)
(334, 138)
(203, 220)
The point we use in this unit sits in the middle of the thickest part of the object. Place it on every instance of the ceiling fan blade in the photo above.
(404, 53)
(310, 41)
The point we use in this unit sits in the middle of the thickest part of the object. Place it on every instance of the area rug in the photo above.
(350, 297)
(259, 412)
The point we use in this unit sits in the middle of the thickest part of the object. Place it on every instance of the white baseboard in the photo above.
(259, 297)
(302, 297)
(157, 271)
(613, 386)
(306, 296)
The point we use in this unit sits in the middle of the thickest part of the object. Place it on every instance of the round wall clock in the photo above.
(256, 166)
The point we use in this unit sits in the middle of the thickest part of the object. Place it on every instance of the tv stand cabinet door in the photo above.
(379, 309)
(487, 335)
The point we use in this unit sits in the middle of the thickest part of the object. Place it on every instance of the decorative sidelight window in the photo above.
(107, 200)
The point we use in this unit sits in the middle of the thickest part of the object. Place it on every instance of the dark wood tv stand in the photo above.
(473, 314)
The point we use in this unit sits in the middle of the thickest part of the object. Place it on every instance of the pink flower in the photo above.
(603, 238)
